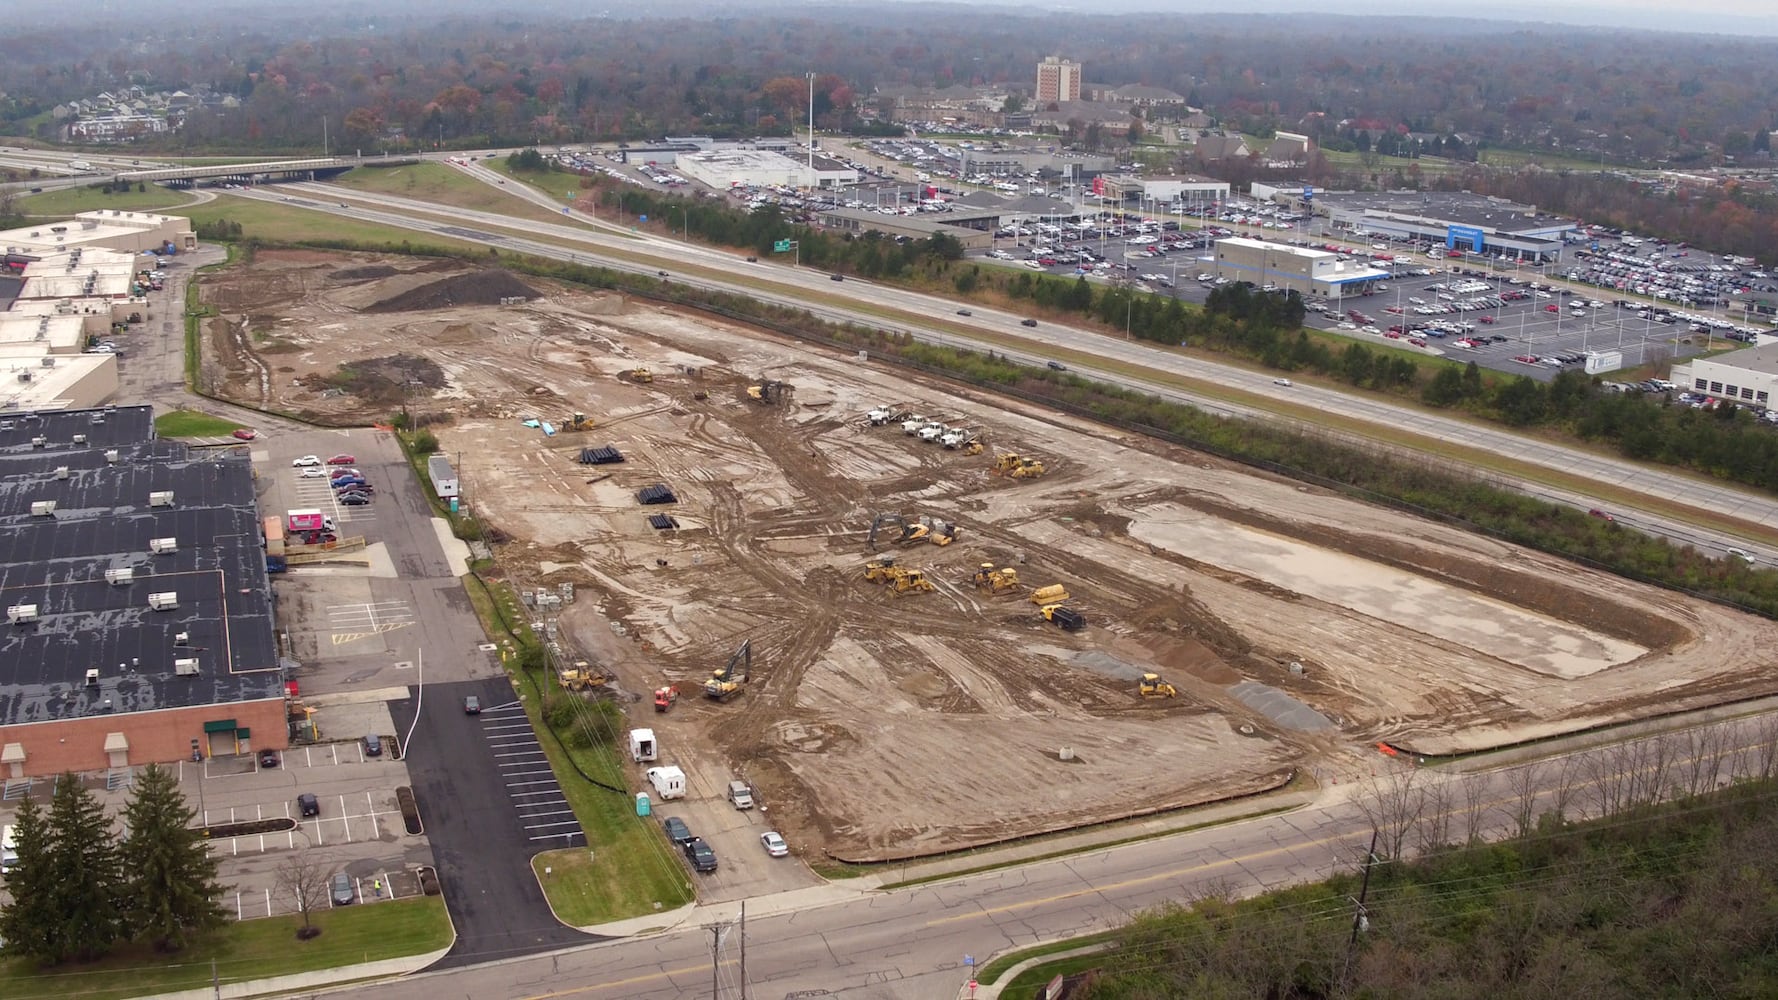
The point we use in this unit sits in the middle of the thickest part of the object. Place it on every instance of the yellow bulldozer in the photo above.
(577, 422)
(880, 570)
(641, 374)
(1030, 468)
(1151, 686)
(1007, 461)
(996, 581)
(1055, 593)
(1015, 466)
(912, 581)
(583, 676)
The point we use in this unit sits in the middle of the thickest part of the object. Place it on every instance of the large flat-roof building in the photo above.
(110, 229)
(729, 168)
(1313, 274)
(919, 226)
(138, 614)
(1458, 220)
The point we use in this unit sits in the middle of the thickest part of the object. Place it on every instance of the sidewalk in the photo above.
(320, 979)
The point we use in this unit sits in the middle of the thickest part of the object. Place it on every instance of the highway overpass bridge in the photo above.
(317, 168)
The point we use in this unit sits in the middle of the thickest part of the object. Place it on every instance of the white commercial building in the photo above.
(1313, 274)
(1749, 377)
(110, 229)
(730, 168)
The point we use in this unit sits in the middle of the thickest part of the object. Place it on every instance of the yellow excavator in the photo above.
(996, 581)
(1151, 686)
(577, 422)
(724, 682)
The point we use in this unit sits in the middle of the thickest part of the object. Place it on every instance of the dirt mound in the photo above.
(366, 273)
(480, 288)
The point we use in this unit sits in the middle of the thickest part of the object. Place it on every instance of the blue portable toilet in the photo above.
(643, 807)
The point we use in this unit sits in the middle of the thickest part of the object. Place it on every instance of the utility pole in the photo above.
(744, 946)
(1359, 920)
(715, 961)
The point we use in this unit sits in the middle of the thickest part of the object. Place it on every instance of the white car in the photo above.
(306, 461)
(313, 472)
(1282, 381)
(774, 844)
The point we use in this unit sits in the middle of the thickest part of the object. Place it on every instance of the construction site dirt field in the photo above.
(1294, 623)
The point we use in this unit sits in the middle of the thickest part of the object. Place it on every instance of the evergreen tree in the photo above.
(26, 922)
(170, 887)
(83, 868)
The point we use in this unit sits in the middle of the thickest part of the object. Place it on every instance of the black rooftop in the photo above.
(105, 520)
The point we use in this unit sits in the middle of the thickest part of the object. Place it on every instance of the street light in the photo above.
(684, 224)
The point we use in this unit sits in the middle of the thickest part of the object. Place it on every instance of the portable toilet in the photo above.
(643, 806)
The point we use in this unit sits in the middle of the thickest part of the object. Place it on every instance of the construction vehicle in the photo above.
(996, 581)
(957, 437)
(940, 532)
(724, 683)
(912, 423)
(1064, 616)
(1151, 686)
(1029, 468)
(767, 391)
(886, 415)
(882, 519)
(1055, 593)
(583, 676)
(641, 375)
(1007, 461)
(933, 431)
(665, 697)
(577, 422)
(880, 570)
(972, 448)
(912, 581)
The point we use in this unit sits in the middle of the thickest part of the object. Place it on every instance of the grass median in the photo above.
(69, 201)
(246, 950)
(190, 423)
(442, 184)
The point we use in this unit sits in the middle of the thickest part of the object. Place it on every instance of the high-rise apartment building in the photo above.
(1057, 80)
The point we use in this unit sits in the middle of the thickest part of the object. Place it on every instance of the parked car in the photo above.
(472, 705)
(702, 858)
(306, 461)
(373, 745)
(774, 844)
(268, 758)
(245, 434)
(354, 499)
(339, 889)
(677, 831)
(342, 460)
(308, 805)
(313, 472)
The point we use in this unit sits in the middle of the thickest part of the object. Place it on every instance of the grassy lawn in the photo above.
(249, 949)
(68, 201)
(188, 423)
(274, 222)
(992, 972)
(1027, 983)
(442, 184)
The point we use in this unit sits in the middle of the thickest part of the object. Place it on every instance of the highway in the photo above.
(934, 319)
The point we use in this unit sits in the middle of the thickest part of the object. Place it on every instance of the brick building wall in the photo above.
(49, 748)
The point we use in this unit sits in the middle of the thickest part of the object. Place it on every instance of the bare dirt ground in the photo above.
(1295, 623)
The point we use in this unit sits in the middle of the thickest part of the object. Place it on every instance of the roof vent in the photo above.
(181, 638)
(62, 472)
(166, 600)
(120, 576)
(186, 666)
(25, 377)
(160, 498)
(39, 441)
(80, 439)
(98, 418)
(92, 677)
(22, 614)
(111, 456)
(42, 508)
(48, 362)
(163, 546)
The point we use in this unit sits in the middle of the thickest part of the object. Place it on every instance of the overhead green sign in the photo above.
(782, 246)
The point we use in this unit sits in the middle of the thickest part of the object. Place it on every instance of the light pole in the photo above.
(684, 225)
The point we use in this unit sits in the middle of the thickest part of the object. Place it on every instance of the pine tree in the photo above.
(26, 922)
(170, 890)
(83, 867)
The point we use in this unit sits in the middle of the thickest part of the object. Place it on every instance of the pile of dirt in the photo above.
(480, 288)
(380, 381)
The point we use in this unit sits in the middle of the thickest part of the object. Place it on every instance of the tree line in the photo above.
(76, 890)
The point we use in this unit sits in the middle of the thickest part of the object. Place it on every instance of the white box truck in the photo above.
(642, 746)
(668, 782)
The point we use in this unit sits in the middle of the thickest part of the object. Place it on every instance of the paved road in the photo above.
(729, 271)
(911, 944)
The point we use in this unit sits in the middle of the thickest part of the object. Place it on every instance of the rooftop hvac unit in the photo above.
(166, 600)
(48, 362)
(186, 666)
(39, 441)
(99, 418)
(24, 376)
(163, 546)
(42, 508)
(181, 638)
(160, 498)
(111, 456)
(92, 677)
(22, 614)
(62, 472)
(6, 425)
(80, 439)
(120, 576)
